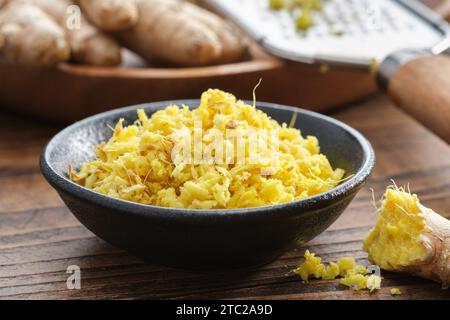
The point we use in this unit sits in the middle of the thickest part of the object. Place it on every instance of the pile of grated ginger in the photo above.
(138, 162)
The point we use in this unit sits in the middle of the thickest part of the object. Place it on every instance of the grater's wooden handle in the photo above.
(421, 86)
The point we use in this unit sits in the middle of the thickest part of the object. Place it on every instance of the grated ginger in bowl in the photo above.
(141, 162)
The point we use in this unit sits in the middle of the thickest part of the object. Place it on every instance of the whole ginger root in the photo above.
(408, 237)
(180, 33)
(111, 15)
(233, 45)
(174, 32)
(89, 45)
(28, 36)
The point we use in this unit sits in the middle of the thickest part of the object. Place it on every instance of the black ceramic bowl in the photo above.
(207, 239)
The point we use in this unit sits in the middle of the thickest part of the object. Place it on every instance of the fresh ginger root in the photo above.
(233, 45)
(28, 36)
(111, 15)
(171, 31)
(180, 33)
(409, 237)
(88, 44)
(350, 274)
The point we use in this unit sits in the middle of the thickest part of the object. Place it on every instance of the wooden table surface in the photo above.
(39, 238)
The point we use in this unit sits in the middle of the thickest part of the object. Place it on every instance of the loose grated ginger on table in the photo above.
(137, 163)
(349, 273)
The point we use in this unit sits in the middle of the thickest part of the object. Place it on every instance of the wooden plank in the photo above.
(39, 237)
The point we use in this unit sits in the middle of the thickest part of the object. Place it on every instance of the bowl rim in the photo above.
(64, 184)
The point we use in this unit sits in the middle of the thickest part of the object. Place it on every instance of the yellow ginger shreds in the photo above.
(374, 66)
(373, 282)
(312, 266)
(301, 8)
(395, 292)
(358, 281)
(346, 265)
(355, 281)
(331, 272)
(278, 4)
(138, 163)
(304, 20)
(360, 270)
(395, 240)
(350, 274)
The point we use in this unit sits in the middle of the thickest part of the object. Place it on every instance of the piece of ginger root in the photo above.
(409, 237)
(28, 36)
(88, 44)
(183, 34)
(111, 15)
(351, 274)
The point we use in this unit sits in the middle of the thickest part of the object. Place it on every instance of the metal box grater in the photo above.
(348, 32)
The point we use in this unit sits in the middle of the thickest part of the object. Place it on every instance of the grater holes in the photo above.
(338, 18)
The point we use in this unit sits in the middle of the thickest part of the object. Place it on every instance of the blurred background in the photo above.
(64, 60)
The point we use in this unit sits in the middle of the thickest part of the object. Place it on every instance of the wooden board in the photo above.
(39, 238)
